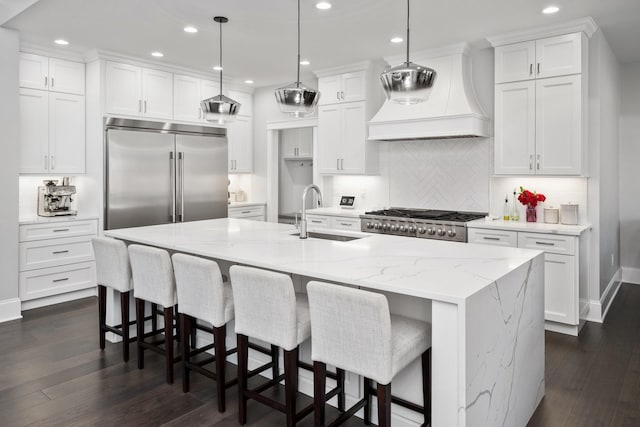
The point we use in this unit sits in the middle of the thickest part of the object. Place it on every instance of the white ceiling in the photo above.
(259, 39)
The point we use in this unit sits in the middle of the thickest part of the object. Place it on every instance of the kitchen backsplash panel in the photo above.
(28, 196)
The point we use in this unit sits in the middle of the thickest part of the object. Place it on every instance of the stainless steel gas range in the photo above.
(422, 223)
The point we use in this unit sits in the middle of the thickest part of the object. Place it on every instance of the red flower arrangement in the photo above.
(530, 199)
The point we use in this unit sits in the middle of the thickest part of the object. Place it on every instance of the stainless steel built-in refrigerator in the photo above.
(158, 173)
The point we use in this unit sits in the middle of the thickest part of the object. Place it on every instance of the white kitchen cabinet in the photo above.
(137, 91)
(493, 237)
(297, 143)
(245, 100)
(186, 98)
(56, 75)
(560, 288)
(240, 141)
(536, 59)
(329, 135)
(52, 132)
(209, 88)
(315, 222)
(342, 138)
(345, 87)
(345, 223)
(253, 213)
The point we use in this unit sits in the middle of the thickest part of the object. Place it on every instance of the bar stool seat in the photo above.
(353, 330)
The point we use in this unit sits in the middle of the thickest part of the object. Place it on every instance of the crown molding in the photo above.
(586, 25)
(357, 66)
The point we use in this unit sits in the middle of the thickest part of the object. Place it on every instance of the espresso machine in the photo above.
(56, 200)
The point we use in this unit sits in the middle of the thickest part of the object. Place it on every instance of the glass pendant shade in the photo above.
(297, 99)
(220, 109)
(408, 83)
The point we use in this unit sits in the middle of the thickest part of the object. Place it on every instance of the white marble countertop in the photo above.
(336, 211)
(531, 227)
(25, 220)
(245, 204)
(444, 271)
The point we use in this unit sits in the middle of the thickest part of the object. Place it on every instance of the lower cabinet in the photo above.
(56, 258)
(254, 213)
(334, 222)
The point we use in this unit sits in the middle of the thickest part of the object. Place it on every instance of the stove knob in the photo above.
(441, 232)
(369, 225)
(403, 228)
(385, 227)
(377, 226)
(393, 228)
(411, 229)
(431, 231)
(451, 233)
(422, 230)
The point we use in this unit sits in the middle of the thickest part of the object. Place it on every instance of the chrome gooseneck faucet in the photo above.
(303, 218)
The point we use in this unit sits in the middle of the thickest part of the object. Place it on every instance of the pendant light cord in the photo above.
(220, 57)
(408, 15)
(298, 75)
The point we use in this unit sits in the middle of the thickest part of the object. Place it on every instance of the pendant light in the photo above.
(296, 98)
(408, 83)
(220, 109)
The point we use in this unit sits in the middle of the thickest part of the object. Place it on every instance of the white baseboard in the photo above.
(631, 275)
(10, 310)
(57, 299)
(598, 309)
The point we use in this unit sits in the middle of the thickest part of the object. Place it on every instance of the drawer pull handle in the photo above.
(60, 280)
(60, 252)
(545, 243)
(316, 221)
(491, 238)
(60, 229)
(346, 224)
(246, 212)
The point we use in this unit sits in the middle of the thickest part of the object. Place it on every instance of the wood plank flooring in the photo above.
(52, 373)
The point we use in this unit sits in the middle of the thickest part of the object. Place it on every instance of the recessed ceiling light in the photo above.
(305, 62)
(249, 82)
(157, 54)
(217, 68)
(550, 9)
(190, 29)
(61, 42)
(397, 40)
(323, 5)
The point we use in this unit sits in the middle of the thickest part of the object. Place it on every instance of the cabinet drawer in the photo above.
(318, 221)
(493, 237)
(54, 252)
(56, 280)
(345, 223)
(55, 230)
(547, 242)
(244, 212)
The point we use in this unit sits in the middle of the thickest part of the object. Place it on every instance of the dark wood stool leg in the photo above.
(219, 337)
(319, 393)
(290, 384)
(124, 308)
(368, 384)
(168, 342)
(154, 318)
(102, 313)
(140, 331)
(185, 323)
(384, 405)
(426, 386)
(193, 335)
(178, 332)
(243, 356)
(341, 395)
(275, 358)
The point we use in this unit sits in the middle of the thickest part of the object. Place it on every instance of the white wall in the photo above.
(630, 171)
(9, 119)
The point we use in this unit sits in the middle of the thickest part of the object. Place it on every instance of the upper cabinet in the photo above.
(297, 143)
(548, 57)
(240, 140)
(187, 93)
(55, 75)
(345, 87)
(137, 91)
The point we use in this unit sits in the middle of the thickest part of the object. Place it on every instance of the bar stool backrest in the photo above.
(351, 328)
(112, 263)
(152, 272)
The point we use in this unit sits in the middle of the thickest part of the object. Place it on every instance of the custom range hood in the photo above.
(451, 111)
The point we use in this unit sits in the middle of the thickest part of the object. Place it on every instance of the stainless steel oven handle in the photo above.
(172, 185)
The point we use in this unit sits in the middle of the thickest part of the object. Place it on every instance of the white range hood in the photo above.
(451, 111)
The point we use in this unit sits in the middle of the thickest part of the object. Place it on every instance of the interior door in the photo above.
(202, 178)
(139, 184)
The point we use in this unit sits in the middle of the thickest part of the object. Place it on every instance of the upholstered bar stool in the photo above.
(353, 329)
(267, 308)
(202, 295)
(113, 271)
(153, 281)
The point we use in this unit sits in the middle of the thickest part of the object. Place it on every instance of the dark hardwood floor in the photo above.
(52, 373)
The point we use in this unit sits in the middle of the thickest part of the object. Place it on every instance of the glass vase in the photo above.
(532, 215)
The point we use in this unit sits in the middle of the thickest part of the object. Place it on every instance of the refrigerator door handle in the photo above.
(181, 163)
(172, 185)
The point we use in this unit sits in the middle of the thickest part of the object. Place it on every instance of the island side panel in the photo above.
(504, 344)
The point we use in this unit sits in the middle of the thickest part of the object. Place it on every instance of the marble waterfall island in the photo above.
(486, 305)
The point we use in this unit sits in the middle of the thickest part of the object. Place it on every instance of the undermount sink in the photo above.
(325, 236)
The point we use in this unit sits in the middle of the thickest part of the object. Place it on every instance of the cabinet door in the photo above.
(34, 71)
(289, 143)
(34, 127)
(305, 142)
(66, 133)
(515, 62)
(186, 98)
(157, 94)
(329, 88)
(560, 298)
(559, 125)
(353, 86)
(245, 100)
(66, 76)
(209, 88)
(353, 135)
(123, 89)
(328, 138)
(241, 145)
(515, 121)
(559, 56)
